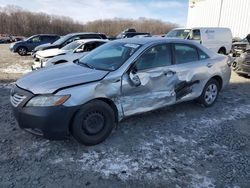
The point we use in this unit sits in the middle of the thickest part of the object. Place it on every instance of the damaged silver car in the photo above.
(87, 98)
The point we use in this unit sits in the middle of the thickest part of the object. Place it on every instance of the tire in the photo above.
(222, 51)
(234, 65)
(93, 123)
(210, 93)
(22, 51)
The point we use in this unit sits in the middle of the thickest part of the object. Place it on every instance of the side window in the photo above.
(71, 40)
(36, 39)
(90, 36)
(99, 43)
(202, 55)
(157, 56)
(185, 53)
(46, 38)
(89, 46)
(196, 34)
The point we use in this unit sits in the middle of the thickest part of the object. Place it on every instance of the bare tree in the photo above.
(16, 21)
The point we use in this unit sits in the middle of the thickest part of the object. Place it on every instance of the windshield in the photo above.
(178, 33)
(71, 46)
(30, 38)
(244, 40)
(109, 56)
(62, 39)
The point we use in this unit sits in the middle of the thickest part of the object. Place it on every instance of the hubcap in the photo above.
(234, 64)
(211, 93)
(93, 123)
(22, 51)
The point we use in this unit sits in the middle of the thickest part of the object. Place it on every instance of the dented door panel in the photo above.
(156, 90)
(192, 78)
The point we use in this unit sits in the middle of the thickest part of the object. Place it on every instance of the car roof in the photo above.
(147, 40)
(158, 40)
(92, 40)
(46, 35)
(84, 33)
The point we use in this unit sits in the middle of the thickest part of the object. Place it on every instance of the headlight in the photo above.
(48, 100)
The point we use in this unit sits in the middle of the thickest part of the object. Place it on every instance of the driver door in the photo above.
(150, 82)
(34, 42)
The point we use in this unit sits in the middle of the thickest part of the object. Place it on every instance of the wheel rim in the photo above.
(22, 51)
(93, 123)
(234, 64)
(211, 93)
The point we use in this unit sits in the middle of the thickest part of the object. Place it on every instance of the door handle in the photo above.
(209, 65)
(169, 73)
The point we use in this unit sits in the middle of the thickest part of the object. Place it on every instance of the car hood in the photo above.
(50, 79)
(240, 43)
(51, 52)
(18, 42)
(45, 46)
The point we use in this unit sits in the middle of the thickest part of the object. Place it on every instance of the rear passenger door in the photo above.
(192, 67)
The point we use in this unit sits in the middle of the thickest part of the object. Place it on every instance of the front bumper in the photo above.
(50, 122)
(36, 65)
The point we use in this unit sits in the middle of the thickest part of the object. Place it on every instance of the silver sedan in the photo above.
(89, 97)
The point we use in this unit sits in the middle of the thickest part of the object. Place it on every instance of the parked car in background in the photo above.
(68, 53)
(27, 45)
(63, 41)
(142, 35)
(241, 64)
(129, 33)
(118, 79)
(180, 33)
(240, 47)
(18, 38)
(5, 39)
(217, 39)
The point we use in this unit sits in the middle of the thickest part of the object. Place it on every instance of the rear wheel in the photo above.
(22, 51)
(234, 65)
(93, 123)
(209, 93)
(222, 51)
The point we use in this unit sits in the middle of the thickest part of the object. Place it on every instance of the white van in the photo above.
(217, 39)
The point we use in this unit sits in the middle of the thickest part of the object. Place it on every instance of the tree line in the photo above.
(17, 21)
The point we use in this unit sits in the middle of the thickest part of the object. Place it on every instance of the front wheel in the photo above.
(209, 93)
(93, 123)
(22, 51)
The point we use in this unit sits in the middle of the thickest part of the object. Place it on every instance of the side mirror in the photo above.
(79, 50)
(134, 78)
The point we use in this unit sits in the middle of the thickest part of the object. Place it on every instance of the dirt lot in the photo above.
(180, 146)
(12, 66)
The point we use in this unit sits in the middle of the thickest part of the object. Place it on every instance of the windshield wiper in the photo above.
(84, 64)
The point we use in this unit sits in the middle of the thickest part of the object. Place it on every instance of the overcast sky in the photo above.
(89, 10)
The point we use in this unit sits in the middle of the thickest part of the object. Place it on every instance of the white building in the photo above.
(234, 14)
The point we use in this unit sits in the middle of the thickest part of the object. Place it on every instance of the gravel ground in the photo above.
(12, 65)
(184, 145)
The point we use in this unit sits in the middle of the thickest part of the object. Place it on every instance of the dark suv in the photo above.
(129, 33)
(25, 46)
(70, 38)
